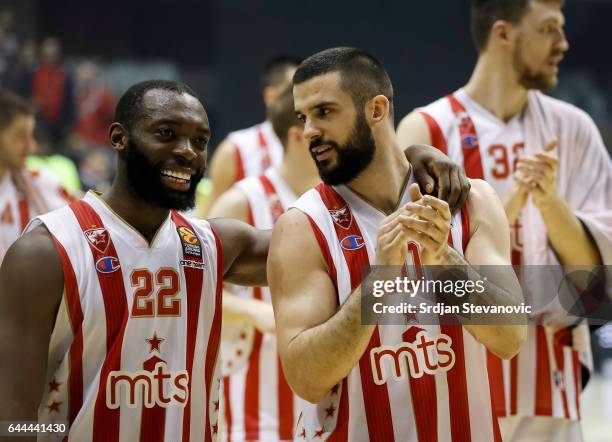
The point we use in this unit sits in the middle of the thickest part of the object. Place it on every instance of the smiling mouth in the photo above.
(321, 153)
(177, 177)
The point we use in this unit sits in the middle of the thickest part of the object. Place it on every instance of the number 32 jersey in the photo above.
(134, 352)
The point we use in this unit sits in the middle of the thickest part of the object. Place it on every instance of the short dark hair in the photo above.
(274, 70)
(363, 76)
(129, 103)
(486, 12)
(281, 114)
(11, 106)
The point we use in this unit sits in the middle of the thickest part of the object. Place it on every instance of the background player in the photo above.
(23, 193)
(546, 160)
(122, 293)
(251, 151)
(363, 216)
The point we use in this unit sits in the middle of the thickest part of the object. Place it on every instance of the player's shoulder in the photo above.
(232, 203)
(245, 134)
(36, 249)
(437, 108)
(561, 109)
(438, 113)
(483, 204)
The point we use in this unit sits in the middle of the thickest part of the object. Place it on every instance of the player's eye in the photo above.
(202, 142)
(323, 111)
(165, 132)
(301, 117)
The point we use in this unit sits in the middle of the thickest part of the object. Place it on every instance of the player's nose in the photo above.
(312, 131)
(185, 149)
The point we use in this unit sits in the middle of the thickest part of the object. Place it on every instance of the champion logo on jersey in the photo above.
(190, 242)
(342, 217)
(108, 264)
(98, 238)
(352, 242)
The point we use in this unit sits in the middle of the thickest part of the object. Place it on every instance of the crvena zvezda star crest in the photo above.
(98, 238)
(342, 217)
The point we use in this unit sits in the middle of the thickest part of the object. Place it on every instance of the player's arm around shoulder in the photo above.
(222, 174)
(413, 129)
(489, 246)
(31, 288)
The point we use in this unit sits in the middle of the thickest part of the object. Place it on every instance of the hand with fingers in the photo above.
(438, 175)
(391, 241)
(538, 174)
(427, 220)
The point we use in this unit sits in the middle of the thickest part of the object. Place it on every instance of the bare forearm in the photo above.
(241, 311)
(561, 224)
(318, 358)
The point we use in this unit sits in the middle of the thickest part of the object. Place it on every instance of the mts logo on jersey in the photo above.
(426, 355)
(160, 387)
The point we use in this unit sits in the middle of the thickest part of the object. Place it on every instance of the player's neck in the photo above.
(495, 87)
(145, 217)
(298, 171)
(383, 182)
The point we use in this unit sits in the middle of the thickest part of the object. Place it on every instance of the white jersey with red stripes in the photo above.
(257, 149)
(134, 352)
(16, 210)
(544, 379)
(395, 393)
(259, 404)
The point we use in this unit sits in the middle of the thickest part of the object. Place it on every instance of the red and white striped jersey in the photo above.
(395, 392)
(45, 193)
(257, 149)
(259, 404)
(544, 378)
(134, 352)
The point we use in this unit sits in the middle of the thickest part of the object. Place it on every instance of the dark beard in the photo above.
(144, 179)
(351, 158)
(527, 77)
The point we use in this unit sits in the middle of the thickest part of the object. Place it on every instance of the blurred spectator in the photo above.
(52, 92)
(9, 45)
(97, 170)
(95, 108)
(19, 74)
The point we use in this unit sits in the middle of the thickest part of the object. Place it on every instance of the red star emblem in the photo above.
(54, 406)
(216, 404)
(334, 389)
(329, 411)
(319, 433)
(155, 342)
(411, 317)
(243, 335)
(54, 385)
(303, 433)
(215, 428)
(239, 352)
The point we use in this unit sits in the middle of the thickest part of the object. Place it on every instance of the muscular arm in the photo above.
(222, 174)
(489, 246)
(319, 342)
(31, 287)
(237, 310)
(245, 250)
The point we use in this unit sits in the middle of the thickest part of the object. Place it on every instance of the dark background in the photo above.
(220, 46)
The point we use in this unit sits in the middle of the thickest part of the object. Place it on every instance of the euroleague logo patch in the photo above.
(352, 242)
(108, 264)
(190, 242)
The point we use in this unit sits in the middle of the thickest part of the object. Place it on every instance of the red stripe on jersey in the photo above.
(228, 407)
(263, 149)
(437, 137)
(496, 384)
(340, 433)
(239, 164)
(251, 391)
(376, 397)
(285, 405)
(472, 163)
(106, 420)
(465, 228)
(577, 380)
(276, 208)
(513, 385)
(543, 393)
(457, 387)
(152, 420)
(214, 339)
(562, 338)
(424, 398)
(24, 213)
(75, 314)
(194, 280)
(331, 268)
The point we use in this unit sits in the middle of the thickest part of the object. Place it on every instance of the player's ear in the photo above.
(118, 136)
(377, 109)
(502, 33)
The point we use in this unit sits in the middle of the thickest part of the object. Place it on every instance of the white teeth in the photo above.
(175, 174)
